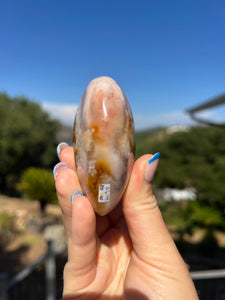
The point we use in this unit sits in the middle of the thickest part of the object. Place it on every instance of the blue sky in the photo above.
(166, 55)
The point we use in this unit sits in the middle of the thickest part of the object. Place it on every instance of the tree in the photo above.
(192, 159)
(38, 184)
(27, 138)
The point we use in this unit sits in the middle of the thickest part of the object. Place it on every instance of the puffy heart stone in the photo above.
(104, 143)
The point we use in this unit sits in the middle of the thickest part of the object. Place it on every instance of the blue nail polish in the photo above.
(154, 157)
(75, 194)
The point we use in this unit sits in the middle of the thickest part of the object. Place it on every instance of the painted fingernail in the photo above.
(59, 167)
(75, 194)
(60, 147)
(151, 167)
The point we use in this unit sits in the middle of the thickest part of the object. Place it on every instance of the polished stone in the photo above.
(104, 143)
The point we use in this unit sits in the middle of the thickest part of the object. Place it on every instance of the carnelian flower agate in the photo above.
(104, 143)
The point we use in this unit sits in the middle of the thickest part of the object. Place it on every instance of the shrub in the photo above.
(38, 184)
(7, 223)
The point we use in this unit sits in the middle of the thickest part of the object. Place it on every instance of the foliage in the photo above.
(177, 215)
(191, 159)
(206, 216)
(29, 240)
(7, 222)
(27, 138)
(189, 215)
(38, 184)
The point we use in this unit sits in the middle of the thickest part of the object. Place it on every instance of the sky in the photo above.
(167, 56)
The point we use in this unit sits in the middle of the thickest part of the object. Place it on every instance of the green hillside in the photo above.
(195, 158)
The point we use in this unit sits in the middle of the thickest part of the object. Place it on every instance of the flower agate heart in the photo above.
(104, 143)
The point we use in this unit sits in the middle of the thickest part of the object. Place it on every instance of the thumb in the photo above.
(148, 232)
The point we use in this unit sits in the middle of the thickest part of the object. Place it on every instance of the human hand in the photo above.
(127, 254)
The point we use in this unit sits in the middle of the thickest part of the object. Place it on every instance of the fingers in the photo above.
(80, 269)
(79, 222)
(66, 182)
(69, 183)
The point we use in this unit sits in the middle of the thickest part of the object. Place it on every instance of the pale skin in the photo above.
(128, 254)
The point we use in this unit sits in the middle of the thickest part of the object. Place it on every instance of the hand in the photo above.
(127, 254)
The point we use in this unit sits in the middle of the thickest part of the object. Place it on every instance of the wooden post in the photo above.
(3, 286)
(50, 270)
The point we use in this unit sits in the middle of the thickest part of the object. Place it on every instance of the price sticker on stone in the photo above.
(104, 192)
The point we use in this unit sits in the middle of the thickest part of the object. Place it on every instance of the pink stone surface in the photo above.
(104, 143)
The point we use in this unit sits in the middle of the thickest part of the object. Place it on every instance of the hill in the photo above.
(191, 158)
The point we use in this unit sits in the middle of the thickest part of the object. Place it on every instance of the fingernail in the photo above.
(75, 194)
(60, 147)
(59, 167)
(151, 167)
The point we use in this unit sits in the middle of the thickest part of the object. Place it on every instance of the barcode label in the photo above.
(104, 192)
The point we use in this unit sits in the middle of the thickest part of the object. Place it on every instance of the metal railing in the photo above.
(208, 274)
(49, 258)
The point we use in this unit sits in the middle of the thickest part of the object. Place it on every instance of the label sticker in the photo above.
(104, 192)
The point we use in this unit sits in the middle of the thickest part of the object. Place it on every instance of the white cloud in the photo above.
(163, 120)
(63, 112)
(66, 113)
(170, 119)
